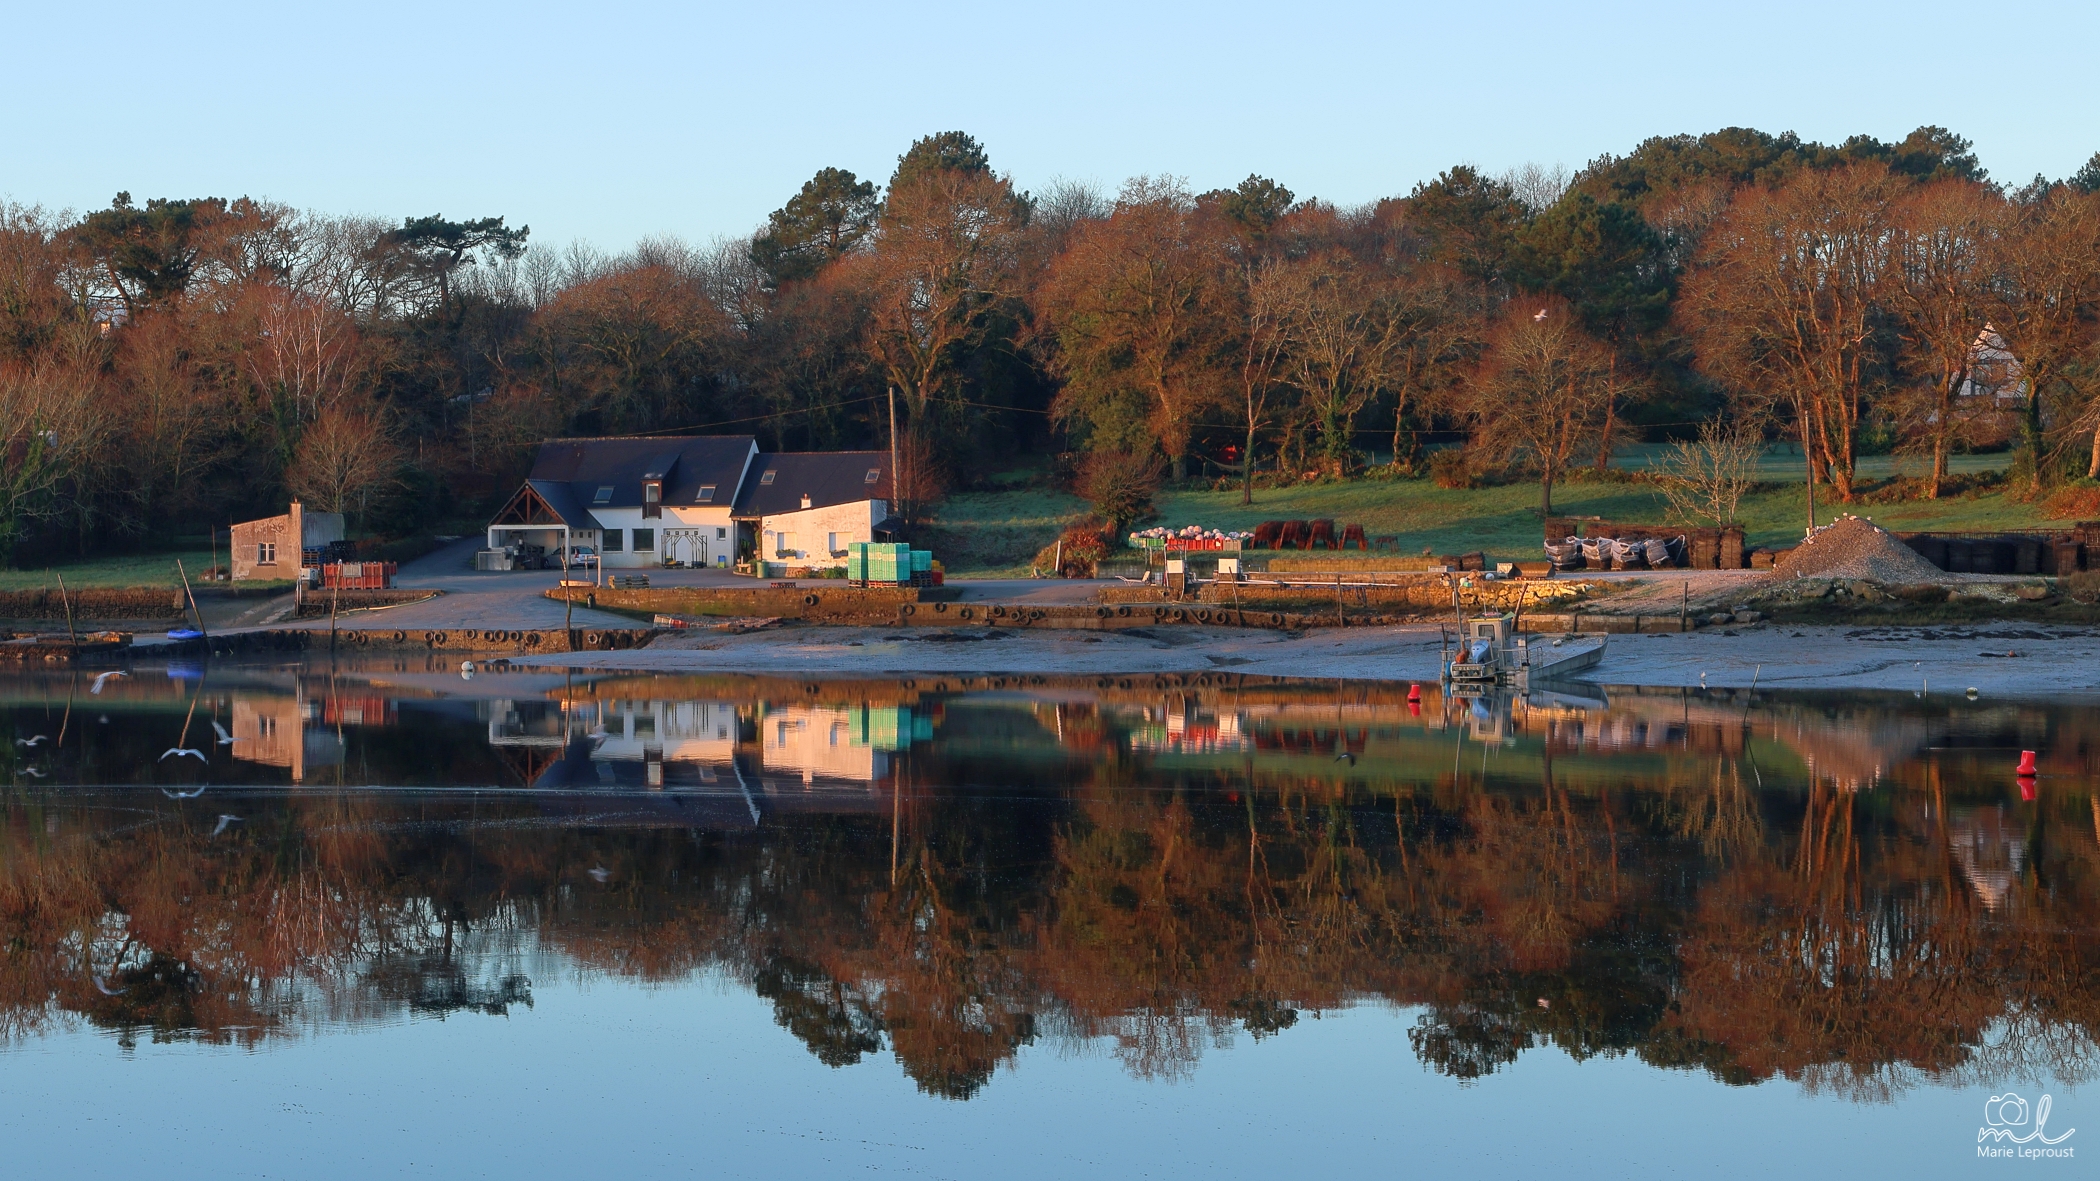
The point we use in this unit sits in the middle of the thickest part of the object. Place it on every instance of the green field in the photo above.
(147, 570)
(997, 533)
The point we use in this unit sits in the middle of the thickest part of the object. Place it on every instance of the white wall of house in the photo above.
(692, 534)
(819, 536)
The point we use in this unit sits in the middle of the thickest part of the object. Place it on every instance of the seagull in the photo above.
(32, 771)
(224, 821)
(225, 739)
(183, 795)
(1345, 757)
(104, 719)
(1702, 680)
(600, 873)
(103, 678)
(183, 750)
(105, 989)
(1541, 315)
(1544, 1003)
(31, 741)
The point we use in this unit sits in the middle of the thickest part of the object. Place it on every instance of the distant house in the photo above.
(273, 546)
(1994, 372)
(637, 501)
(805, 507)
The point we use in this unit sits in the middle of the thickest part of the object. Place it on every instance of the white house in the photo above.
(806, 507)
(638, 501)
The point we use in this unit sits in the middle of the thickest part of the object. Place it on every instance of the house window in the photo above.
(652, 500)
(266, 553)
(644, 540)
(707, 494)
(613, 538)
(721, 532)
(604, 495)
(874, 474)
(767, 478)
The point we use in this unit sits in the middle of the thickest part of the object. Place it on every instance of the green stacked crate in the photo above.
(857, 561)
(921, 561)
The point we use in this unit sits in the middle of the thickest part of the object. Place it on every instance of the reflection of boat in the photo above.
(1491, 653)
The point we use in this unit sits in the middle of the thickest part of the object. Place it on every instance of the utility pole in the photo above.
(1808, 461)
(894, 498)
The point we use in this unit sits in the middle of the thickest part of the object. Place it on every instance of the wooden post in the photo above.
(568, 601)
(194, 609)
(67, 600)
(335, 596)
(1338, 620)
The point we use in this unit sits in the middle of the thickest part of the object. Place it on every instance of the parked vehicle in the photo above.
(582, 555)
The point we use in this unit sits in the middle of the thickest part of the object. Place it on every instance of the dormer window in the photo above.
(874, 474)
(707, 494)
(653, 498)
(766, 478)
(604, 495)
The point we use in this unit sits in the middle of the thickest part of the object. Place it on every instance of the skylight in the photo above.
(707, 493)
(874, 474)
(604, 495)
(766, 479)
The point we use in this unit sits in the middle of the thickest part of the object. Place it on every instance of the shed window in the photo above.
(707, 493)
(604, 495)
(766, 479)
(644, 540)
(266, 553)
(613, 538)
(874, 474)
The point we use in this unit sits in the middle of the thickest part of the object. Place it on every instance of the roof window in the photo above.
(604, 495)
(874, 474)
(707, 494)
(767, 478)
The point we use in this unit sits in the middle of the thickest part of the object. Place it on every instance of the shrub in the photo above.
(1451, 468)
(2083, 587)
(1120, 486)
(2074, 502)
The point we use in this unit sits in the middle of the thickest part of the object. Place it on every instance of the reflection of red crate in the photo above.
(358, 575)
(357, 710)
(1200, 544)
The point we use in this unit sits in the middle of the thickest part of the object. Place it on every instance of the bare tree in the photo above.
(2045, 305)
(1705, 479)
(55, 423)
(1783, 303)
(344, 456)
(1948, 239)
(1541, 388)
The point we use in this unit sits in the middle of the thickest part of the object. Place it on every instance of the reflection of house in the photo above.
(833, 743)
(1989, 851)
(271, 547)
(806, 507)
(284, 732)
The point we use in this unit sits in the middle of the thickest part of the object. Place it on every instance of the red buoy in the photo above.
(1414, 694)
(2026, 762)
(2027, 788)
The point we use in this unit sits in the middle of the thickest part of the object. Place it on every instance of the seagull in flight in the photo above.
(32, 771)
(183, 795)
(183, 750)
(224, 737)
(600, 874)
(105, 989)
(225, 820)
(1540, 316)
(31, 741)
(102, 679)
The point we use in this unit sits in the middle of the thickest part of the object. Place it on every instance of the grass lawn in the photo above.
(134, 570)
(996, 533)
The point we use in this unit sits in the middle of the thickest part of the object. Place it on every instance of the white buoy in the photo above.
(466, 670)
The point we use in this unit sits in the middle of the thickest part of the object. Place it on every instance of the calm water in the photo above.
(398, 921)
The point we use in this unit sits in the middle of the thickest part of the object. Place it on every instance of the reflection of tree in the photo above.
(1830, 936)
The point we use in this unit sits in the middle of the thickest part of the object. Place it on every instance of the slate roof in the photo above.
(827, 477)
(562, 499)
(685, 463)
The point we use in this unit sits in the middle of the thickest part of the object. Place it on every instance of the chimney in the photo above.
(805, 500)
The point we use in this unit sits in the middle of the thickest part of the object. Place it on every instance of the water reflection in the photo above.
(1844, 890)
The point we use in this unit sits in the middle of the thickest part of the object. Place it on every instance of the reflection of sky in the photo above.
(614, 1078)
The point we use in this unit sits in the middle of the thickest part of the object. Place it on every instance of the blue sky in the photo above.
(614, 121)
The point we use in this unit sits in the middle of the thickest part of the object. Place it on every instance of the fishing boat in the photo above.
(1491, 654)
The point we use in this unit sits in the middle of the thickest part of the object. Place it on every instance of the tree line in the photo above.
(182, 362)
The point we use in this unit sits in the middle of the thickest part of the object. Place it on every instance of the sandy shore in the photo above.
(2049, 662)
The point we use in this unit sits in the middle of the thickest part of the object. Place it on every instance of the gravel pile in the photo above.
(1855, 548)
